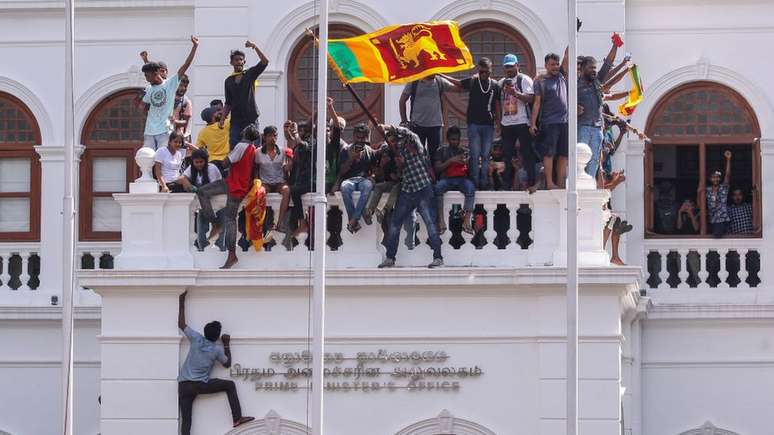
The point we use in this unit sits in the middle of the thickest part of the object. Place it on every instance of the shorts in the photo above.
(553, 140)
(156, 141)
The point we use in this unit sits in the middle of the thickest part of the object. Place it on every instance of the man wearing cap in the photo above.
(516, 100)
(356, 164)
(426, 115)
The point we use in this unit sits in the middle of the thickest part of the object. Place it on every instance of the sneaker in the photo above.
(388, 262)
(437, 262)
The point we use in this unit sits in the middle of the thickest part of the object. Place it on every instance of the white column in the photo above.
(52, 173)
(767, 215)
(635, 204)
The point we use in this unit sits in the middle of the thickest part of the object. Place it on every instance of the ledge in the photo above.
(399, 280)
(47, 313)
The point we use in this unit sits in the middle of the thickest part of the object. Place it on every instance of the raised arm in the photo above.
(181, 311)
(616, 96)
(190, 58)
(226, 339)
(144, 56)
(616, 77)
(456, 83)
(727, 179)
(616, 69)
(604, 71)
(251, 44)
(566, 61)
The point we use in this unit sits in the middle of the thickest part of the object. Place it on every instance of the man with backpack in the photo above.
(426, 115)
(516, 102)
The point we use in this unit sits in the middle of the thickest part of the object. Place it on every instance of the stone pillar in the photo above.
(52, 176)
(546, 224)
(635, 202)
(156, 228)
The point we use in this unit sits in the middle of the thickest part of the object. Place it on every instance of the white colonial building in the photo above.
(677, 343)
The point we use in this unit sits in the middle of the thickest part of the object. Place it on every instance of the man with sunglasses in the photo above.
(240, 93)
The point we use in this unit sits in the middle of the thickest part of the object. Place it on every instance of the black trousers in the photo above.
(527, 155)
(188, 390)
(430, 137)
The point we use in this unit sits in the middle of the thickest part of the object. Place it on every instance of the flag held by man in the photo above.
(400, 53)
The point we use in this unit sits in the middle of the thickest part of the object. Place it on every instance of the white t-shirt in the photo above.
(170, 164)
(515, 110)
(212, 171)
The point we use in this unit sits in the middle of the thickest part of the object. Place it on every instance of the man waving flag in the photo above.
(400, 54)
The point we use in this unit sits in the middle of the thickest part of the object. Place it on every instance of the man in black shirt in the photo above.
(240, 93)
(355, 166)
(483, 110)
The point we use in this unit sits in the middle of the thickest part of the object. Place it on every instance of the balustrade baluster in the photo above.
(663, 274)
(723, 273)
(489, 233)
(513, 232)
(5, 276)
(743, 273)
(683, 274)
(24, 273)
(703, 271)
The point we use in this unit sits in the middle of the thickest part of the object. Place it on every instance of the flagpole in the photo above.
(68, 221)
(572, 221)
(320, 208)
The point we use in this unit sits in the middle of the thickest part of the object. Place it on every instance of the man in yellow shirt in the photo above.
(213, 138)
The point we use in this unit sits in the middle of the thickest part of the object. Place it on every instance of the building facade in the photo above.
(691, 355)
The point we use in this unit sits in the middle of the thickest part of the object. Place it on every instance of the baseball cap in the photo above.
(510, 60)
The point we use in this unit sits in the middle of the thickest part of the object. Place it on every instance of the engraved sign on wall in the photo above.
(367, 371)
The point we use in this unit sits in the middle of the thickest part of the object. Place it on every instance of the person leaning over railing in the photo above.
(199, 174)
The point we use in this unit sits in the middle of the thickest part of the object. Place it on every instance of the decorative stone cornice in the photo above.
(56, 153)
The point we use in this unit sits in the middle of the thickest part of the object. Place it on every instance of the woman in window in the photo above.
(200, 173)
(717, 199)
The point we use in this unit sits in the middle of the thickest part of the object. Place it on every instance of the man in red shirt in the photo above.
(241, 160)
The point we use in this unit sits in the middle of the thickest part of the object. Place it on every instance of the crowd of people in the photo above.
(517, 139)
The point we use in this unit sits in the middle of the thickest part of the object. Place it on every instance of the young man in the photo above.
(517, 97)
(240, 92)
(301, 172)
(182, 111)
(160, 98)
(194, 378)
(240, 162)
(550, 111)
(426, 116)
(741, 214)
(452, 169)
(164, 70)
(590, 102)
(356, 163)
(333, 149)
(213, 138)
(387, 176)
(717, 199)
(482, 114)
(416, 193)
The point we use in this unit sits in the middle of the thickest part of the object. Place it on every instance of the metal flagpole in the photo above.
(572, 221)
(320, 206)
(68, 221)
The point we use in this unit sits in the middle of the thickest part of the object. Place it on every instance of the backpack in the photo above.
(413, 95)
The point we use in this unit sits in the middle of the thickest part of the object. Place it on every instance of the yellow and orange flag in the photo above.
(400, 54)
(636, 94)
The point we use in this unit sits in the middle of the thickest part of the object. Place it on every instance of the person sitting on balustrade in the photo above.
(194, 378)
(168, 162)
(451, 166)
(273, 166)
(201, 173)
(240, 162)
(212, 137)
(301, 180)
(357, 162)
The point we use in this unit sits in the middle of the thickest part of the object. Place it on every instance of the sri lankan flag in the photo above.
(400, 54)
(635, 94)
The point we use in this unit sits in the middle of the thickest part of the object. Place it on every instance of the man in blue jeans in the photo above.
(452, 169)
(483, 110)
(356, 163)
(590, 100)
(416, 193)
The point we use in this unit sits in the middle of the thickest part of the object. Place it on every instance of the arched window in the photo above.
(691, 128)
(493, 40)
(111, 135)
(302, 77)
(19, 171)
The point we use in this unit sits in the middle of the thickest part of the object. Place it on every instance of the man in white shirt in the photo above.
(517, 96)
